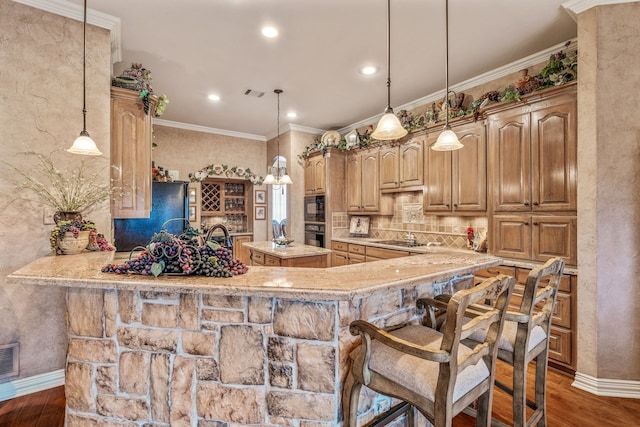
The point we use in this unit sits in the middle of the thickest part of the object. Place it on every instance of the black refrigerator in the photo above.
(169, 200)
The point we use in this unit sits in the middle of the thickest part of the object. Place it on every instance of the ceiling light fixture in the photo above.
(448, 140)
(292, 115)
(389, 126)
(281, 177)
(269, 32)
(369, 70)
(213, 97)
(83, 143)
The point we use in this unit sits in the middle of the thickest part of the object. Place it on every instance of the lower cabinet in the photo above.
(349, 253)
(313, 261)
(239, 251)
(563, 336)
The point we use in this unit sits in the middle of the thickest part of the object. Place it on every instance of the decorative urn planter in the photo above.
(70, 245)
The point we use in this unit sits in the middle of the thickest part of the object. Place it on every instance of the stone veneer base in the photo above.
(141, 358)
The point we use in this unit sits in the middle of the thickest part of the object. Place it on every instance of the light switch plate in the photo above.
(47, 215)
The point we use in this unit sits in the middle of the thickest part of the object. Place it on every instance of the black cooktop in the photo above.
(403, 243)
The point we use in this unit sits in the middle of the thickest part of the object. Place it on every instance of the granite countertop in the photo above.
(294, 250)
(307, 284)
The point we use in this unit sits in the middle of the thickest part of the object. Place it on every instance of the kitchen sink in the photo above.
(403, 243)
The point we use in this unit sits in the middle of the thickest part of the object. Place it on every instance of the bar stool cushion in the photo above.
(419, 374)
(507, 340)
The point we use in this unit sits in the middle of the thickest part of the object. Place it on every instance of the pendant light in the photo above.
(389, 126)
(281, 177)
(448, 140)
(84, 144)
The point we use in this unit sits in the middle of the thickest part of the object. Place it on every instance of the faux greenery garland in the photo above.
(216, 170)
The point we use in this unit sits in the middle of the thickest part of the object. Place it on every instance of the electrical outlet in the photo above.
(47, 215)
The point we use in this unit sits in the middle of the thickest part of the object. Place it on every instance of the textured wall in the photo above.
(608, 203)
(41, 108)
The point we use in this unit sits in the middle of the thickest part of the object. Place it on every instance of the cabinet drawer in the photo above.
(340, 246)
(356, 259)
(523, 273)
(271, 261)
(357, 249)
(560, 346)
(257, 258)
(382, 253)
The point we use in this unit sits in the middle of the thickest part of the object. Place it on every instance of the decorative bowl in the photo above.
(282, 241)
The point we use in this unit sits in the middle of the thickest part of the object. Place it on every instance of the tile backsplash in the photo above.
(408, 217)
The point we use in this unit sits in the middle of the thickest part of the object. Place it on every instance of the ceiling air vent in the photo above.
(9, 360)
(255, 93)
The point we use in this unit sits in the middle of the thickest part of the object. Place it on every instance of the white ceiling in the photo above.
(197, 47)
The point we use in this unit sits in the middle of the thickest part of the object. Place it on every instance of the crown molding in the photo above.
(575, 7)
(481, 79)
(206, 129)
(75, 11)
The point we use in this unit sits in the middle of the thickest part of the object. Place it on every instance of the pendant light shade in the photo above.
(281, 177)
(448, 140)
(389, 126)
(84, 144)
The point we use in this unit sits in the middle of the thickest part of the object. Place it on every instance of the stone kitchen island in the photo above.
(267, 348)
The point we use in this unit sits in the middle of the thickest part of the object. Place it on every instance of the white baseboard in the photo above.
(29, 385)
(607, 387)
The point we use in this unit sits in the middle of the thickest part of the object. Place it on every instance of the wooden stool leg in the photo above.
(483, 414)
(350, 397)
(541, 388)
(519, 389)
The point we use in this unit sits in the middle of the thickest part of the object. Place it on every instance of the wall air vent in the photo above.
(255, 93)
(9, 366)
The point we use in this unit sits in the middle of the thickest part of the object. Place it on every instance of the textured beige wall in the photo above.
(608, 203)
(188, 151)
(41, 108)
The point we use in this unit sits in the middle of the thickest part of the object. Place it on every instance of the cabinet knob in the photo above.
(536, 223)
(536, 204)
(526, 203)
(526, 223)
(455, 205)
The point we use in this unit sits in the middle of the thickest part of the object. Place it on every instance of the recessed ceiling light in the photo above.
(292, 115)
(368, 70)
(213, 97)
(269, 32)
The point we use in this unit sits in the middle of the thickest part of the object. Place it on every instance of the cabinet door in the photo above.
(241, 252)
(370, 184)
(469, 169)
(309, 177)
(130, 154)
(411, 161)
(511, 236)
(510, 153)
(319, 173)
(339, 258)
(555, 236)
(437, 178)
(389, 172)
(553, 139)
(354, 183)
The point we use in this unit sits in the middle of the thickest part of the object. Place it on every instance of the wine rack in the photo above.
(221, 198)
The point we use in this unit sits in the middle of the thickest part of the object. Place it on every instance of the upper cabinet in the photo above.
(401, 165)
(532, 151)
(315, 175)
(131, 138)
(455, 181)
(222, 197)
(363, 184)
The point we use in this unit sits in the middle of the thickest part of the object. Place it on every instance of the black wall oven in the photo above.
(314, 209)
(314, 235)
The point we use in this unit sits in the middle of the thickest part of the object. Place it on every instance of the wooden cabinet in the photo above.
(363, 184)
(315, 175)
(351, 253)
(220, 197)
(268, 260)
(532, 151)
(401, 166)
(239, 251)
(131, 138)
(533, 158)
(535, 237)
(456, 181)
(563, 335)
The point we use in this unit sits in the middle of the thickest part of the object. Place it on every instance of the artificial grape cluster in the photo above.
(103, 243)
(168, 254)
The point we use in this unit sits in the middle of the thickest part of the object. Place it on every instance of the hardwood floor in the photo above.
(566, 406)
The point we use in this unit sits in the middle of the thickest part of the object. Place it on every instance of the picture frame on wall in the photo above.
(260, 197)
(261, 212)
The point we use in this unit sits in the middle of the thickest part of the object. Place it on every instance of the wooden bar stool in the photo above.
(432, 371)
(525, 338)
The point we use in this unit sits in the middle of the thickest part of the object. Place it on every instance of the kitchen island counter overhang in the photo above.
(257, 348)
